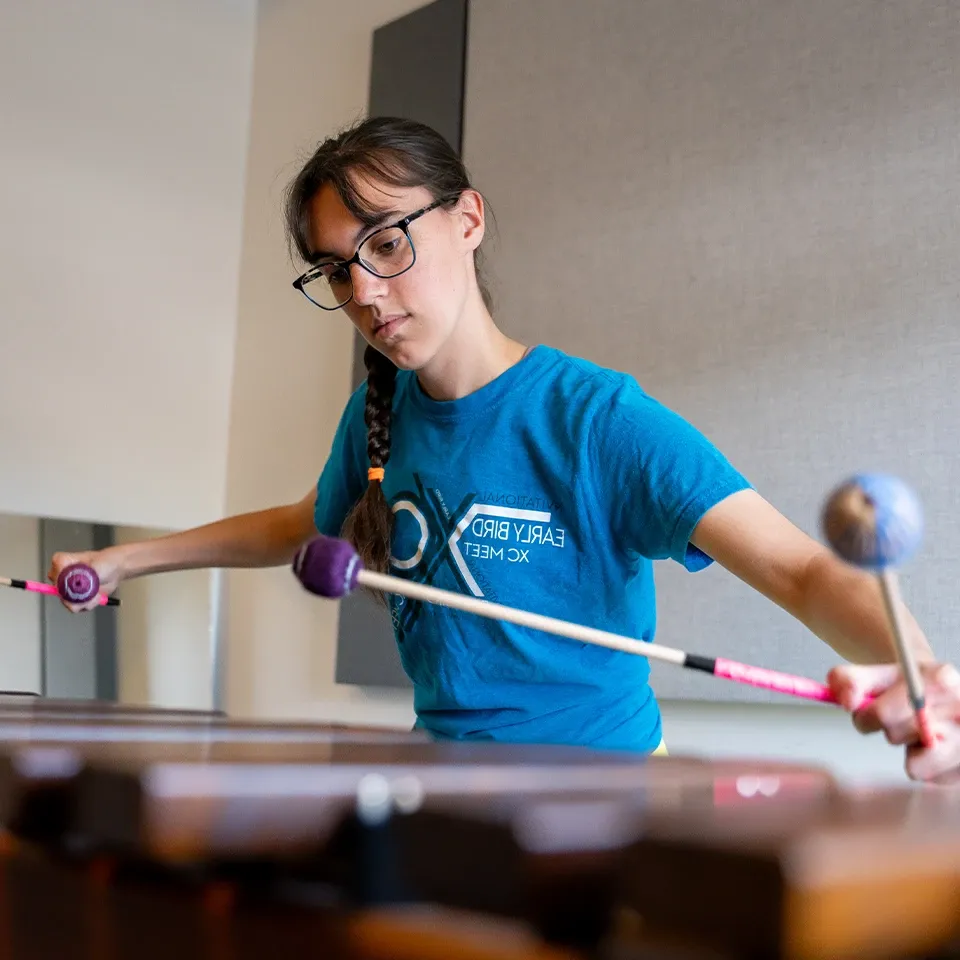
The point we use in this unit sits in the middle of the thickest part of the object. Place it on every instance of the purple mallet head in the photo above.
(327, 567)
(78, 583)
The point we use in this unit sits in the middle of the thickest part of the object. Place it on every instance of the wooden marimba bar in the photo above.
(149, 833)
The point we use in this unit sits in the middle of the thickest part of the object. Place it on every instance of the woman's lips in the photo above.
(386, 327)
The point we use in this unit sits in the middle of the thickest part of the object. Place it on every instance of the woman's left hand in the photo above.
(891, 713)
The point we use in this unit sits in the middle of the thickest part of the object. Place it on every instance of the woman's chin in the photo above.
(406, 355)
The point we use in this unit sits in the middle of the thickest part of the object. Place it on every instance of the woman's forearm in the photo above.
(265, 538)
(844, 607)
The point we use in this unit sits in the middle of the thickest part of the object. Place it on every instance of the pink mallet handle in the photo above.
(775, 680)
(50, 589)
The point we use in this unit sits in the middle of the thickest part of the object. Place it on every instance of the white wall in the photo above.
(125, 126)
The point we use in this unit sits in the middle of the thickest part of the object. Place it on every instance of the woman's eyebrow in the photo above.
(358, 237)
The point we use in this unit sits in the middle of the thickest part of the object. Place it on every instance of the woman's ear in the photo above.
(472, 218)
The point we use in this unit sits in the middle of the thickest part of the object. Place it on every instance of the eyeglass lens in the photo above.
(385, 254)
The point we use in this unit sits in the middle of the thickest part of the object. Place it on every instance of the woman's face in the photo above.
(408, 317)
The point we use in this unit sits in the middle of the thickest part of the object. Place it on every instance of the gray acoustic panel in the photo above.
(417, 71)
(78, 651)
(366, 647)
(752, 207)
(105, 628)
(417, 68)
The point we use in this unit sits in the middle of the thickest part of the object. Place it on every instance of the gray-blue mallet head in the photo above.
(873, 521)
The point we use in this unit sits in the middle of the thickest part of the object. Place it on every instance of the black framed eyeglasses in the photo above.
(386, 253)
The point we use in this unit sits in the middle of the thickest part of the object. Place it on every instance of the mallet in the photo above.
(77, 583)
(330, 567)
(875, 522)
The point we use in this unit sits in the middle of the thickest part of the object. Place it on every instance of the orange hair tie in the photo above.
(375, 473)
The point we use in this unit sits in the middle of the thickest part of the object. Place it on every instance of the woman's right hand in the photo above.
(107, 564)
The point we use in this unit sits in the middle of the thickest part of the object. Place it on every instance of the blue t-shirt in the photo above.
(551, 489)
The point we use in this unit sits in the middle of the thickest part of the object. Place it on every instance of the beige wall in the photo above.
(121, 191)
(164, 636)
(125, 127)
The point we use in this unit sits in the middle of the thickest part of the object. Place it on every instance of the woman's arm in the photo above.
(843, 606)
(264, 538)
(840, 604)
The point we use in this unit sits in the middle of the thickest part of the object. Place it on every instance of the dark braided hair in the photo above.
(369, 524)
(400, 153)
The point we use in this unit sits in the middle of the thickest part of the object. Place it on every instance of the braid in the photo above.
(381, 383)
(370, 523)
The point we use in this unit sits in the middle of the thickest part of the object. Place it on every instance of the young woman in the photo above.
(521, 475)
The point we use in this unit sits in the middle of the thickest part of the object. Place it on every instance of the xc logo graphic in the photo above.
(439, 539)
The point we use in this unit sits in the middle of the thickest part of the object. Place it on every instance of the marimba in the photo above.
(149, 833)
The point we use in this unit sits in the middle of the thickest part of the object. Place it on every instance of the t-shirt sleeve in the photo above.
(660, 475)
(341, 483)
